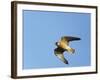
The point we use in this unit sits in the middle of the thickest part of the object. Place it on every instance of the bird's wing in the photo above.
(59, 53)
(69, 38)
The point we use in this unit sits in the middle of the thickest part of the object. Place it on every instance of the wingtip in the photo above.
(66, 62)
(79, 38)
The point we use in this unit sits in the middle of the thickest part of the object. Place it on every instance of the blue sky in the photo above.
(42, 29)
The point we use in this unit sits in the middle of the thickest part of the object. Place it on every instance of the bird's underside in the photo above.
(63, 45)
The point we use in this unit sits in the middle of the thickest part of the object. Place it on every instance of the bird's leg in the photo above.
(70, 50)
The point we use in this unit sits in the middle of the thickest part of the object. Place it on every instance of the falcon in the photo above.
(63, 45)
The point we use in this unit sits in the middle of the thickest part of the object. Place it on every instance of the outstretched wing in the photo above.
(59, 53)
(69, 38)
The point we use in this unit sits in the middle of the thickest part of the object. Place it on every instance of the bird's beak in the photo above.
(56, 43)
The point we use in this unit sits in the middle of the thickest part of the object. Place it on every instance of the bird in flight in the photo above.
(63, 45)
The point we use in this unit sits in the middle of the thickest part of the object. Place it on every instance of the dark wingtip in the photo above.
(66, 62)
(79, 38)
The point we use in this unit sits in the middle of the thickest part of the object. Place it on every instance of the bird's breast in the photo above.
(63, 45)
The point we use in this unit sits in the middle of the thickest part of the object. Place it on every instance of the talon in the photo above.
(71, 50)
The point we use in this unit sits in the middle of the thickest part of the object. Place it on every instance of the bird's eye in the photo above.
(58, 43)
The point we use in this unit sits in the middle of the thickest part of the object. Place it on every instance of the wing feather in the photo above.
(59, 53)
(69, 38)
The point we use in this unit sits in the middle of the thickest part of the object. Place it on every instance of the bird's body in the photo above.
(63, 45)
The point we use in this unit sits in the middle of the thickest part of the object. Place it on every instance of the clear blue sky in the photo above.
(42, 29)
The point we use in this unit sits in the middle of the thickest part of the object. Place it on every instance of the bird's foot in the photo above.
(71, 50)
